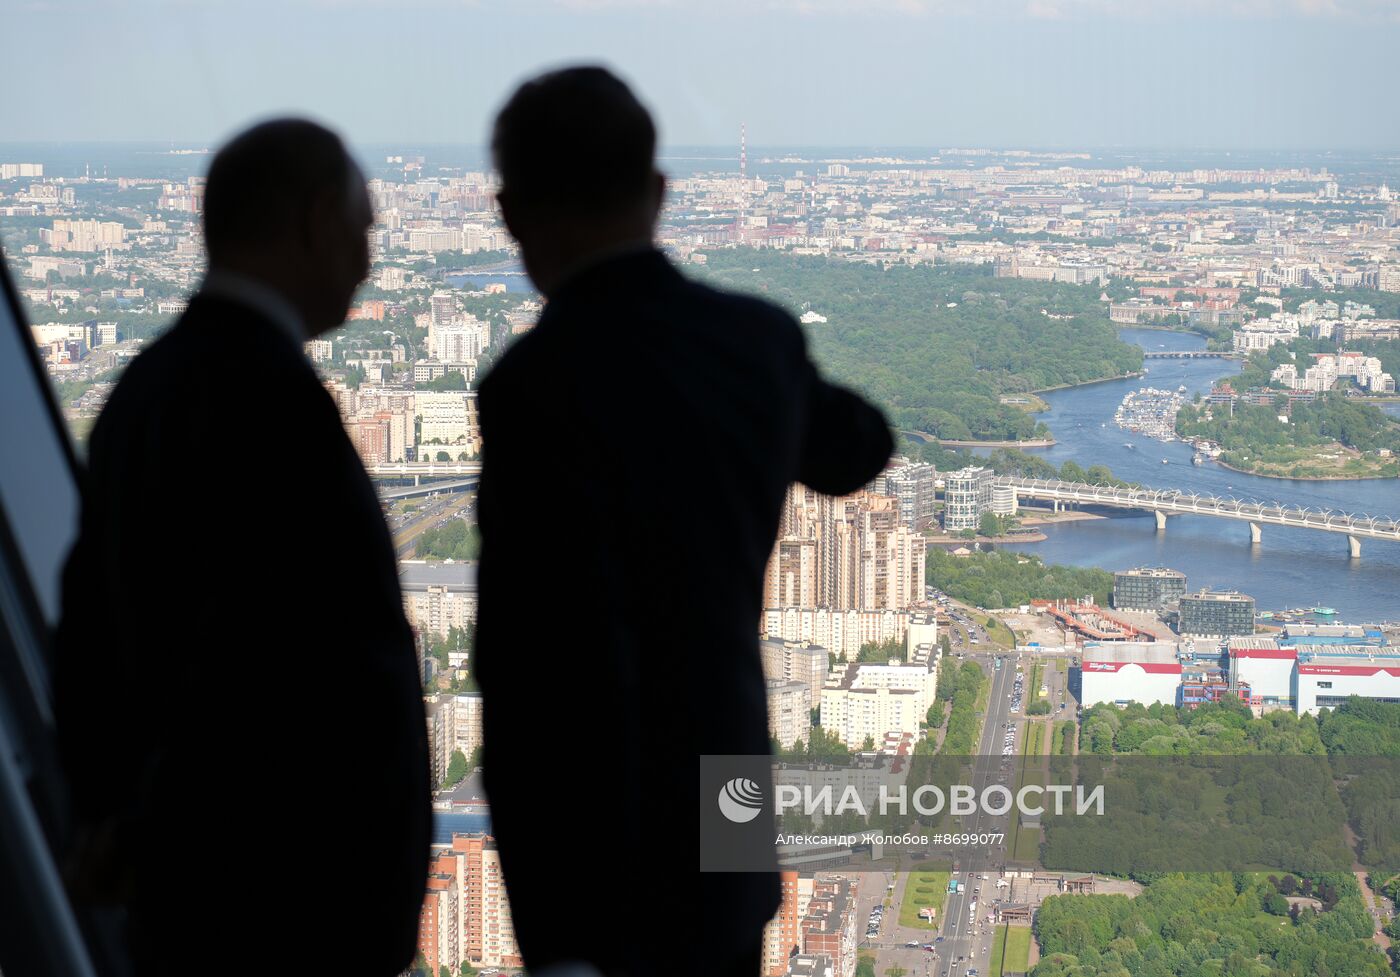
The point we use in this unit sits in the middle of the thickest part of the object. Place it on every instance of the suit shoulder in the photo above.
(750, 311)
(522, 360)
(171, 376)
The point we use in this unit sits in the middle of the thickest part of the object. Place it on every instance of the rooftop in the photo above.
(1152, 572)
(1132, 652)
(422, 574)
(1223, 596)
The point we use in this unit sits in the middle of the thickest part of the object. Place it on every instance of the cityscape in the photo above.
(1091, 358)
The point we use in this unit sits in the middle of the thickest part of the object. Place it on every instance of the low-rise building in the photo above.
(1326, 676)
(1120, 672)
(1266, 667)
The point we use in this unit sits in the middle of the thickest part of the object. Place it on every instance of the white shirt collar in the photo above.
(271, 304)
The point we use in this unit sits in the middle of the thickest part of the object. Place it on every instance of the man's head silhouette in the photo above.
(576, 155)
(286, 206)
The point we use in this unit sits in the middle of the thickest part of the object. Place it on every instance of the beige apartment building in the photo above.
(789, 712)
(800, 661)
(849, 553)
(438, 595)
(448, 422)
(454, 723)
(85, 235)
(871, 701)
(843, 632)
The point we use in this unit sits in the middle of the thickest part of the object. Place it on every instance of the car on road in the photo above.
(912, 945)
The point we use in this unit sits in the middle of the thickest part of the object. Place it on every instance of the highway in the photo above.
(436, 513)
(966, 943)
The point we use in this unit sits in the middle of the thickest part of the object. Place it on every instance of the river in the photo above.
(1290, 568)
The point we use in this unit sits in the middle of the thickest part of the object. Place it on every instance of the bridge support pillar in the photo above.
(415, 480)
(1354, 547)
(1255, 533)
(1055, 503)
(1161, 520)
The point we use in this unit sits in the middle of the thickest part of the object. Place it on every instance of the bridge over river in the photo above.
(1165, 502)
(458, 476)
(1190, 354)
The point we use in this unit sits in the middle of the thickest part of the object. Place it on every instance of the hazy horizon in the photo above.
(1242, 75)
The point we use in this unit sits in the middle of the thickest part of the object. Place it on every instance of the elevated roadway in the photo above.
(1165, 502)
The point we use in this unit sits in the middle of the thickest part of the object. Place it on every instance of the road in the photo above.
(435, 513)
(967, 941)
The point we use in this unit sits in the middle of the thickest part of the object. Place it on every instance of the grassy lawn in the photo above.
(1000, 633)
(1035, 742)
(1033, 685)
(934, 880)
(984, 694)
(1027, 844)
(1011, 950)
(1064, 744)
(1061, 664)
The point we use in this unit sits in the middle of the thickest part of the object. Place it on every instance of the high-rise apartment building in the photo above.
(439, 919)
(460, 340)
(442, 307)
(842, 632)
(454, 723)
(489, 931)
(782, 937)
(438, 595)
(967, 496)
(465, 915)
(869, 701)
(800, 661)
(378, 419)
(789, 712)
(84, 235)
(447, 423)
(914, 486)
(853, 552)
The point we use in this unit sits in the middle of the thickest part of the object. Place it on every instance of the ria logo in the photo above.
(740, 800)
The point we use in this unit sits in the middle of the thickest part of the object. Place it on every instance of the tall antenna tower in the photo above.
(743, 181)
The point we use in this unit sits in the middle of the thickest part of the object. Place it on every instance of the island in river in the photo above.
(1333, 437)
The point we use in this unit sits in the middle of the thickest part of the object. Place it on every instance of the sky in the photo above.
(1073, 74)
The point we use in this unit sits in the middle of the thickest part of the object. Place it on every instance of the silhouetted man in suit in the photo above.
(638, 444)
(239, 704)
